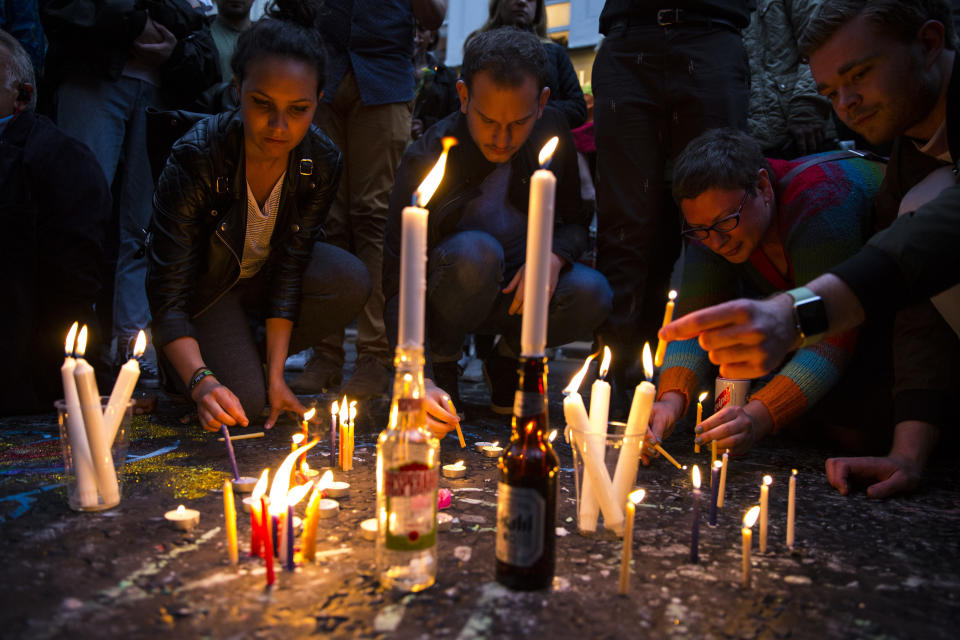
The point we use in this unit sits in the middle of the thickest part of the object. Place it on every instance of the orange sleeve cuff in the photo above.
(678, 379)
(784, 399)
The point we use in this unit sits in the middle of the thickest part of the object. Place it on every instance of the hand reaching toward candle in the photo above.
(217, 405)
(736, 428)
(516, 284)
(281, 399)
(663, 417)
(440, 419)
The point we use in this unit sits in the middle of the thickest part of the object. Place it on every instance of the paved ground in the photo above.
(861, 569)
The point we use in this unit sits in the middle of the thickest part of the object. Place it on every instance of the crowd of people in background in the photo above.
(236, 187)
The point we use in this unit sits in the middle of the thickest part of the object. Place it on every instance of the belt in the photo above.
(671, 18)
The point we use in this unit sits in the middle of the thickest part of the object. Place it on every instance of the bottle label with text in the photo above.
(411, 493)
(521, 517)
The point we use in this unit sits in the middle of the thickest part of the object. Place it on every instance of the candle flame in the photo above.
(552, 436)
(647, 362)
(703, 396)
(637, 496)
(458, 465)
(140, 345)
(297, 438)
(546, 152)
(496, 444)
(296, 494)
(696, 476)
(325, 480)
(794, 472)
(605, 363)
(71, 339)
(334, 409)
(344, 411)
(576, 380)
(181, 510)
(353, 410)
(717, 464)
(750, 518)
(261, 487)
(308, 416)
(672, 295)
(281, 481)
(429, 185)
(82, 342)
(767, 480)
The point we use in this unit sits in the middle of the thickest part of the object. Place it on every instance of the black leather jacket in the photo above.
(199, 222)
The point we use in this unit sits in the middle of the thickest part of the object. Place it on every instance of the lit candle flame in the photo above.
(308, 416)
(546, 153)
(605, 363)
(552, 436)
(82, 342)
(647, 362)
(672, 295)
(637, 496)
(261, 487)
(794, 472)
(296, 494)
(767, 480)
(334, 409)
(495, 444)
(344, 411)
(281, 481)
(353, 410)
(429, 185)
(576, 380)
(696, 476)
(750, 518)
(325, 480)
(703, 396)
(140, 345)
(181, 510)
(297, 438)
(717, 464)
(458, 465)
(71, 339)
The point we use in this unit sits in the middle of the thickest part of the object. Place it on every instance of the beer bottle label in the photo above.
(521, 517)
(411, 493)
(528, 403)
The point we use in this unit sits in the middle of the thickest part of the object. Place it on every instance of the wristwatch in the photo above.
(810, 316)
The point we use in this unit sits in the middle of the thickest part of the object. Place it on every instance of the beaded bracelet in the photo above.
(197, 376)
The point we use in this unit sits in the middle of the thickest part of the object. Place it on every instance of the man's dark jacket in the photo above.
(466, 169)
(199, 224)
(54, 207)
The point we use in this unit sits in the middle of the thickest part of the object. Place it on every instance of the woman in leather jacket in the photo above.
(236, 230)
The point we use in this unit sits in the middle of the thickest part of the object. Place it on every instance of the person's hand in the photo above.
(155, 44)
(663, 417)
(416, 128)
(746, 338)
(807, 137)
(885, 477)
(516, 284)
(217, 405)
(734, 428)
(281, 399)
(442, 416)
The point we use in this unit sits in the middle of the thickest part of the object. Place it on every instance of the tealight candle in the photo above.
(182, 518)
(480, 446)
(444, 521)
(455, 470)
(328, 508)
(244, 484)
(338, 489)
(493, 450)
(368, 529)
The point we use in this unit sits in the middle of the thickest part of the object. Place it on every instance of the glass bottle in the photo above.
(527, 491)
(407, 478)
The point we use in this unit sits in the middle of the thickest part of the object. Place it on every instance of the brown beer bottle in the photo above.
(527, 491)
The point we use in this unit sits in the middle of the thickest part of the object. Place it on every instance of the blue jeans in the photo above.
(465, 278)
(110, 118)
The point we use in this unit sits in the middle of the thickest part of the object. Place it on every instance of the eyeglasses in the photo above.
(725, 224)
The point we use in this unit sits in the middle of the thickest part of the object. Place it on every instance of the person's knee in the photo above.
(337, 274)
(469, 261)
(587, 293)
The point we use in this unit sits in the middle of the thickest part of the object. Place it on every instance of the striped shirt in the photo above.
(260, 223)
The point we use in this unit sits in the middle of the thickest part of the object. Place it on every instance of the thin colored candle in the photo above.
(631, 509)
(267, 541)
(350, 434)
(233, 458)
(305, 431)
(695, 533)
(703, 396)
(713, 451)
(256, 516)
(309, 539)
(289, 533)
(230, 521)
(344, 419)
(747, 532)
(82, 461)
(791, 507)
(715, 491)
(275, 533)
(667, 317)
(334, 427)
(764, 503)
(723, 479)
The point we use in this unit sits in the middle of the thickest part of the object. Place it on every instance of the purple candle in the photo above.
(233, 458)
(276, 541)
(695, 534)
(289, 535)
(333, 436)
(715, 491)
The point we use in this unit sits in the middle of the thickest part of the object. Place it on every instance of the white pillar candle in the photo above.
(536, 273)
(123, 389)
(596, 485)
(764, 503)
(791, 506)
(595, 442)
(413, 276)
(80, 449)
(92, 410)
(637, 421)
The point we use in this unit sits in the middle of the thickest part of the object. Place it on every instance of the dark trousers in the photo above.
(335, 288)
(655, 89)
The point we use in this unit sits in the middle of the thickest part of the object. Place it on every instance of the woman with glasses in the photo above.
(754, 227)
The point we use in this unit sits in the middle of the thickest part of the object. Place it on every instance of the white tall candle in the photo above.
(595, 446)
(82, 461)
(123, 390)
(791, 507)
(413, 276)
(536, 274)
(764, 503)
(90, 407)
(596, 485)
(629, 460)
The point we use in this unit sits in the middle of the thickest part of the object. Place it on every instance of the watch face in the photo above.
(812, 314)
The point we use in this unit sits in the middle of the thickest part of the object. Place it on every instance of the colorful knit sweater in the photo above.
(825, 215)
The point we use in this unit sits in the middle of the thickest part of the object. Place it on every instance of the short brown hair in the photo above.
(718, 159)
(901, 18)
